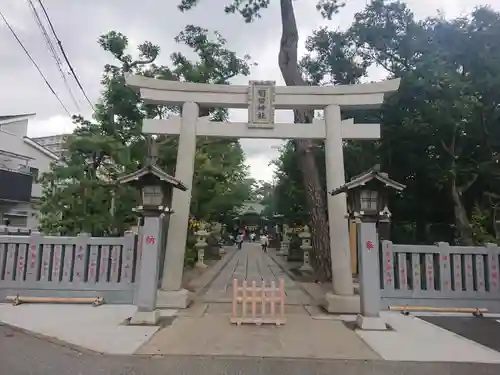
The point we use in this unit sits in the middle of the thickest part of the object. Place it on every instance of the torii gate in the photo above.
(261, 98)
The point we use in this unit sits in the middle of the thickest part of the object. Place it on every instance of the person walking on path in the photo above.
(264, 242)
(252, 236)
(239, 240)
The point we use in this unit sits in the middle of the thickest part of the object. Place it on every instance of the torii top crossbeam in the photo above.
(367, 95)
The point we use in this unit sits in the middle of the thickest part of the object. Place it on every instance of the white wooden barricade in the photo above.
(265, 296)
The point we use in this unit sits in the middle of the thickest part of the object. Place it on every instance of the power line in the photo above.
(53, 51)
(34, 63)
(64, 53)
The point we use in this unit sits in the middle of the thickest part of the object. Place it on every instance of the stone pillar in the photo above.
(286, 240)
(369, 280)
(150, 238)
(342, 300)
(281, 250)
(201, 244)
(384, 229)
(223, 235)
(306, 247)
(171, 295)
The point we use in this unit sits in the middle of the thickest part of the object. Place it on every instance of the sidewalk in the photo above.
(22, 354)
(204, 329)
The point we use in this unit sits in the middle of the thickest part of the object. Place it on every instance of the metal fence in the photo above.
(440, 275)
(81, 266)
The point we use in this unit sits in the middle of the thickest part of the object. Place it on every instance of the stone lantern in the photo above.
(156, 188)
(367, 204)
(367, 194)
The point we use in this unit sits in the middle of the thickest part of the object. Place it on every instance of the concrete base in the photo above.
(337, 304)
(201, 265)
(306, 268)
(370, 323)
(173, 299)
(145, 318)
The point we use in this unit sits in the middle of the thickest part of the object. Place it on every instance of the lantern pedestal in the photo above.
(368, 252)
(149, 250)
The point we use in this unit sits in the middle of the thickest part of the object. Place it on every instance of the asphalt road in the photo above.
(23, 354)
(484, 331)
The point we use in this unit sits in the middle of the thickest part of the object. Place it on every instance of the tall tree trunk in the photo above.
(288, 63)
(464, 228)
(462, 223)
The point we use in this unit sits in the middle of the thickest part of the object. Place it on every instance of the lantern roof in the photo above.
(151, 170)
(362, 179)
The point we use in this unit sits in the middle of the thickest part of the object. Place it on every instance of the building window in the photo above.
(15, 221)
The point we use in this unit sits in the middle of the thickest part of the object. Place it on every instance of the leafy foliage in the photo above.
(439, 132)
(78, 190)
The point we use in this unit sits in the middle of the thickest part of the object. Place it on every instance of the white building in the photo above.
(53, 143)
(22, 160)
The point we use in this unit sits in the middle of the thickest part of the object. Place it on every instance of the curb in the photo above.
(257, 358)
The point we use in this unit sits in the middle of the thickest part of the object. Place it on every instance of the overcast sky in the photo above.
(80, 22)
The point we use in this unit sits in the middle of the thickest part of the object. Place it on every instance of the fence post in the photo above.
(493, 252)
(444, 266)
(387, 266)
(81, 256)
(33, 257)
(368, 252)
(128, 269)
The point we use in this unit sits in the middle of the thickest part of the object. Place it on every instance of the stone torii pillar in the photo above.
(342, 300)
(171, 293)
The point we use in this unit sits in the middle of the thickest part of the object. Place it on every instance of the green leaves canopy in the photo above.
(440, 133)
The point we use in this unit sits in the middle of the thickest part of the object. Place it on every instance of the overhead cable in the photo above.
(53, 51)
(64, 53)
(34, 63)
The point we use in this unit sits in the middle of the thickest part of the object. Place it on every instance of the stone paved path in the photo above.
(251, 264)
(205, 328)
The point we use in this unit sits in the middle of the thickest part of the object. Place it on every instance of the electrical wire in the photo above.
(64, 53)
(34, 63)
(53, 51)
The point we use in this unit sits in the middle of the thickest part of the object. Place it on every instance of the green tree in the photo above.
(78, 190)
(439, 132)
(444, 109)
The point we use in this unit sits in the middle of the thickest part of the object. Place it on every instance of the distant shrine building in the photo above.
(251, 219)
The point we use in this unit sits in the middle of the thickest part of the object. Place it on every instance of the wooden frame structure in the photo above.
(258, 295)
